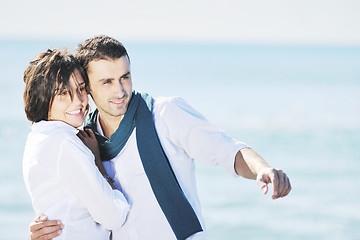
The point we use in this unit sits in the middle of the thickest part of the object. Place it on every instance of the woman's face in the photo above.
(70, 110)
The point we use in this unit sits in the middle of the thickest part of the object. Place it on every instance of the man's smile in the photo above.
(118, 102)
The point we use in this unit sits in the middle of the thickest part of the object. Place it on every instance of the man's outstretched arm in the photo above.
(43, 229)
(251, 165)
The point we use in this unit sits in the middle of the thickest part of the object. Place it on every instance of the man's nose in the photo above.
(119, 89)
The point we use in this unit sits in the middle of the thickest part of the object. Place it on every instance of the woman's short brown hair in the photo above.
(46, 74)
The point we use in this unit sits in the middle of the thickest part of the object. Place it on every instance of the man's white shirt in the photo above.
(185, 136)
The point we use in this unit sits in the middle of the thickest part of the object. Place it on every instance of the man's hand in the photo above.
(249, 164)
(43, 229)
(278, 178)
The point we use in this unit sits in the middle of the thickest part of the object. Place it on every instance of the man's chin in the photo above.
(113, 113)
(119, 112)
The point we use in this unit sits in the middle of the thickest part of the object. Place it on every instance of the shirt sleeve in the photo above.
(200, 139)
(77, 170)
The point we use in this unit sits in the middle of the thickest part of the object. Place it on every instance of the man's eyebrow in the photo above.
(125, 75)
(105, 79)
(122, 76)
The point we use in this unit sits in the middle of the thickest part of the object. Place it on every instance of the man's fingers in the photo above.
(263, 182)
(43, 235)
(45, 230)
(283, 187)
(280, 181)
(36, 226)
(40, 218)
(276, 183)
(51, 235)
(288, 191)
(265, 188)
(286, 186)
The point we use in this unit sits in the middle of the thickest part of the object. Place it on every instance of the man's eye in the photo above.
(107, 81)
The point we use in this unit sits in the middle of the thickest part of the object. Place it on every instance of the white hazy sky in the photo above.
(324, 22)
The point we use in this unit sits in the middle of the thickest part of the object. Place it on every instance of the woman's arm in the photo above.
(76, 169)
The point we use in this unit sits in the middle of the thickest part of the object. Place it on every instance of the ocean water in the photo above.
(298, 107)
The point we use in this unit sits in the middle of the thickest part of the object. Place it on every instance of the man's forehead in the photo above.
(110, 64)
(107, 69)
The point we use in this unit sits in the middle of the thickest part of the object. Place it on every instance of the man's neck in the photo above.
(109, 124)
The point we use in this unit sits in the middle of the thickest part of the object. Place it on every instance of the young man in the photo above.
(149, 147)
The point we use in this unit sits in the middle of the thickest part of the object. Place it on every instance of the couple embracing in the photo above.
(127, 172)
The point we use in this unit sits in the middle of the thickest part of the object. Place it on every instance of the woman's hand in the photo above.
(88, 138)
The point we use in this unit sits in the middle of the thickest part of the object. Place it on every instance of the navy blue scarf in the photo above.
(164, 184)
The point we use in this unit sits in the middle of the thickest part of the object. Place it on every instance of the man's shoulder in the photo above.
(169, 107)
(165, 109)
(165, 100)
(161, 103)
(174, 108)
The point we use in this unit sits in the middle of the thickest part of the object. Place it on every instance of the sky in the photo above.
(305, 22)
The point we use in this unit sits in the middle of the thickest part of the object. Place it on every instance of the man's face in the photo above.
(110, 86)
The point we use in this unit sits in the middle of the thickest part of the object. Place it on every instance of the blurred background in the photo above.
(282, 76)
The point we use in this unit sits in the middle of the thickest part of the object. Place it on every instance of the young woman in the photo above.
(59, 170)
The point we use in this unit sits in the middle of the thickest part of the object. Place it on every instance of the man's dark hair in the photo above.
(99, 48)
(48, 74)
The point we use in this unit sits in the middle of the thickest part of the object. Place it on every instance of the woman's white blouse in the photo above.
(64, 183)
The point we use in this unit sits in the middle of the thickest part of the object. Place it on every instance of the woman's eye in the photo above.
(63, 93)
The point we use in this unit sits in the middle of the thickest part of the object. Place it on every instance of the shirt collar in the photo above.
(98, 126)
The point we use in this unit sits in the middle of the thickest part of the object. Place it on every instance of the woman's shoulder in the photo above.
(54, 133)
(53, 128)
